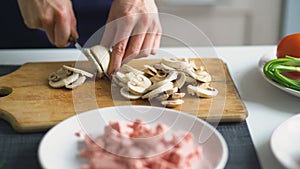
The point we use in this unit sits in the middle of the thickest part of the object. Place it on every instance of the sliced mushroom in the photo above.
(118, 82)
(171, 91)
(202, 91)
(162, 97)
(175, 96)
(82, 72)
(77, 83)
(125, 93)
(180, 81)
(172, 76)
(101, 55)
(172, 103)
(149, 70)
(121, 77)
(201, 76)
(139, 84)
(159, 90)
(59, 75)
(65, 81)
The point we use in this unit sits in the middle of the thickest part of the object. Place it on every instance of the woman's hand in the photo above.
(55, 17)
(133, 30)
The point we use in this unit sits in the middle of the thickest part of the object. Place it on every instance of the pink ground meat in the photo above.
(134, 145)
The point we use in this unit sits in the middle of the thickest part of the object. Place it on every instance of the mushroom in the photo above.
(162, 97)
(172, 76)
(176, 95)
(138, 84)
(125, 93)
(202, 90)
(68, 77)
(62, 82)
(172, 103)
(179, 82)
(82, 72)
(159, 90)
(81, 79)
(149, 70)
(101, 56)
(201, 76)
(59, 74)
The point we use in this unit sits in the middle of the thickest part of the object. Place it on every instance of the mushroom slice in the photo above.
(77, 83)
(157, 91)
(150, 70)
(59, 74)
(82, 72)
(193, 65)
(102, 55)
(125, 93)
(190, 80)
(138, 84)
(63, 82)
(172, 91)
(175, 96)
(166, 68)
(121, 77)
(172, 76)
(128, 68)
(162, 97)
(172, 103)
(174, 63)
(202, 91)
(181, 80)
(93, 62)
(117, 81)
(201, 76)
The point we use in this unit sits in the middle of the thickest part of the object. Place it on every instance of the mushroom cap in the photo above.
(102, 55)
(172, 103)
(202, 91)
(139, 84)
(125, 93)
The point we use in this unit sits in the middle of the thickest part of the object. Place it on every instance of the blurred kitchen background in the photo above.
(225, 22)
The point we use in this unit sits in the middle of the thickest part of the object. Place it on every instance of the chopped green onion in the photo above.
(273, 70)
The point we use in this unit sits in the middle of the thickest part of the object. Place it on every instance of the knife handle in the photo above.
(72, 39)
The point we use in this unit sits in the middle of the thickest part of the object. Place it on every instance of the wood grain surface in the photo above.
(33, 105)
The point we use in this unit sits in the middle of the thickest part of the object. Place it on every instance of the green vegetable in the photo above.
(273, 70)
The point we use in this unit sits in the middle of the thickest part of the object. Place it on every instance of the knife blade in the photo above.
(85, 53)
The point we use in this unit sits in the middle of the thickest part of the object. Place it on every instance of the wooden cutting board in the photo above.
(34, 106)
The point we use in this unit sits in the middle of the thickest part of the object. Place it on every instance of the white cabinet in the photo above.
(229, 22)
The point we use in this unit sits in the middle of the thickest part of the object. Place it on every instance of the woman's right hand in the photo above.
(55, 17)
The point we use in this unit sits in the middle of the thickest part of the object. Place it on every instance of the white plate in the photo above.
(59, 148)
(285, 143)
(264, 59)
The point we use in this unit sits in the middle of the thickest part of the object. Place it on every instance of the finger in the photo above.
(48, 27)
(133, 47)
(62, 28)
(117, 56)
(156, 44)
(119, 46)
(74, 32)
(147, 46)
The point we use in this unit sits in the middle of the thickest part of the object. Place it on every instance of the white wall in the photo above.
(230, 22)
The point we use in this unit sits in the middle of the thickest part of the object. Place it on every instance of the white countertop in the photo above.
(267, 106)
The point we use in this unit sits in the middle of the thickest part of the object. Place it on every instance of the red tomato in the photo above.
(289, 45)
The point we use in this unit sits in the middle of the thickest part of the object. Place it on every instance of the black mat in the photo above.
(19, 150)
